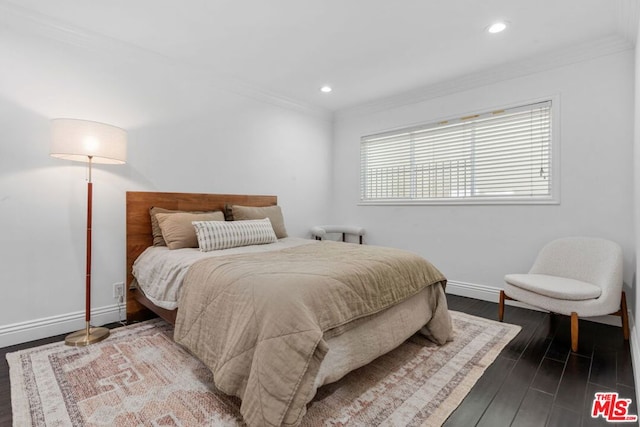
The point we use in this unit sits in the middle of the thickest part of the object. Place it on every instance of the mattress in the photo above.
(159, 271)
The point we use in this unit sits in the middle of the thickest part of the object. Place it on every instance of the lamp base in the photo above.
(86, 336)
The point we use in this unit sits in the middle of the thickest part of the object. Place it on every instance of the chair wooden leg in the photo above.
(501, 307)
(574, 332)
(624, 314)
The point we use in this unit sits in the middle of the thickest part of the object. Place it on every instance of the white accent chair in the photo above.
(574, 276)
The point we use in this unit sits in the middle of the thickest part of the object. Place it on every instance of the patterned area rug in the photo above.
(139, 376)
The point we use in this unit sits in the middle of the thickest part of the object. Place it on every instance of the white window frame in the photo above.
(552, 199)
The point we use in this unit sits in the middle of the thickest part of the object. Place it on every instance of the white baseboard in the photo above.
(472, 290)
(492, 294)
(17, 333)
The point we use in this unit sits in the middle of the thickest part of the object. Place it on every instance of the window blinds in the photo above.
(504, 155)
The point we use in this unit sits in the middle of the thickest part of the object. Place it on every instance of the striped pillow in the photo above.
(215, 235)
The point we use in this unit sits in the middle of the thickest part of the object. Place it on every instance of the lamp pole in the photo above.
(89, 335)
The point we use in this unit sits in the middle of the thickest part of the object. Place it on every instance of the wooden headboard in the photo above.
(139, 236)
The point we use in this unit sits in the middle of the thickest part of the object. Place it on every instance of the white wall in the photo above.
(187, 133)
(478, 244)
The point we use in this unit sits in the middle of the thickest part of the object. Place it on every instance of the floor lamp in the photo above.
(90, 142)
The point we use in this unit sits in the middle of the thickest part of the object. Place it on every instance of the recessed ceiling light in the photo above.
(497, 27)
(326, 89)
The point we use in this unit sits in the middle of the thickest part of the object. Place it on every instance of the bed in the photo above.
(275, 322)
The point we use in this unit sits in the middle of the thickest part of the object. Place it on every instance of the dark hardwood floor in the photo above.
(535, 381)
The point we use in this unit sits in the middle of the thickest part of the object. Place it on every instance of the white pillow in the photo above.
(215, 235)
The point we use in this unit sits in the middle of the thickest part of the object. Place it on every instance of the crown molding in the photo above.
(28, 21)
(573, 54)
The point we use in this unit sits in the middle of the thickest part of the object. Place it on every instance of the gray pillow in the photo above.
(274, 213)
(155, 227)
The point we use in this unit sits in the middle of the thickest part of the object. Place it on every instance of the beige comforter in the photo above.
(258, 320)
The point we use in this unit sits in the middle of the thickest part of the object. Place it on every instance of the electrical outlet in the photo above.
(118, 290)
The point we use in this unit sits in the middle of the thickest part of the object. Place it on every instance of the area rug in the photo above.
(139, 376)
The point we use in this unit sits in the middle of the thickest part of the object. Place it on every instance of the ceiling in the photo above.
(365, 49)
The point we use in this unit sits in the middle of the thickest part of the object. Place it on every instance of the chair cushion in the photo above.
(554, 286)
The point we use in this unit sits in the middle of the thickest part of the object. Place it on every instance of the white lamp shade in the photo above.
(78, 140)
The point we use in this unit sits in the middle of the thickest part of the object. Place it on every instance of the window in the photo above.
(503, 155)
